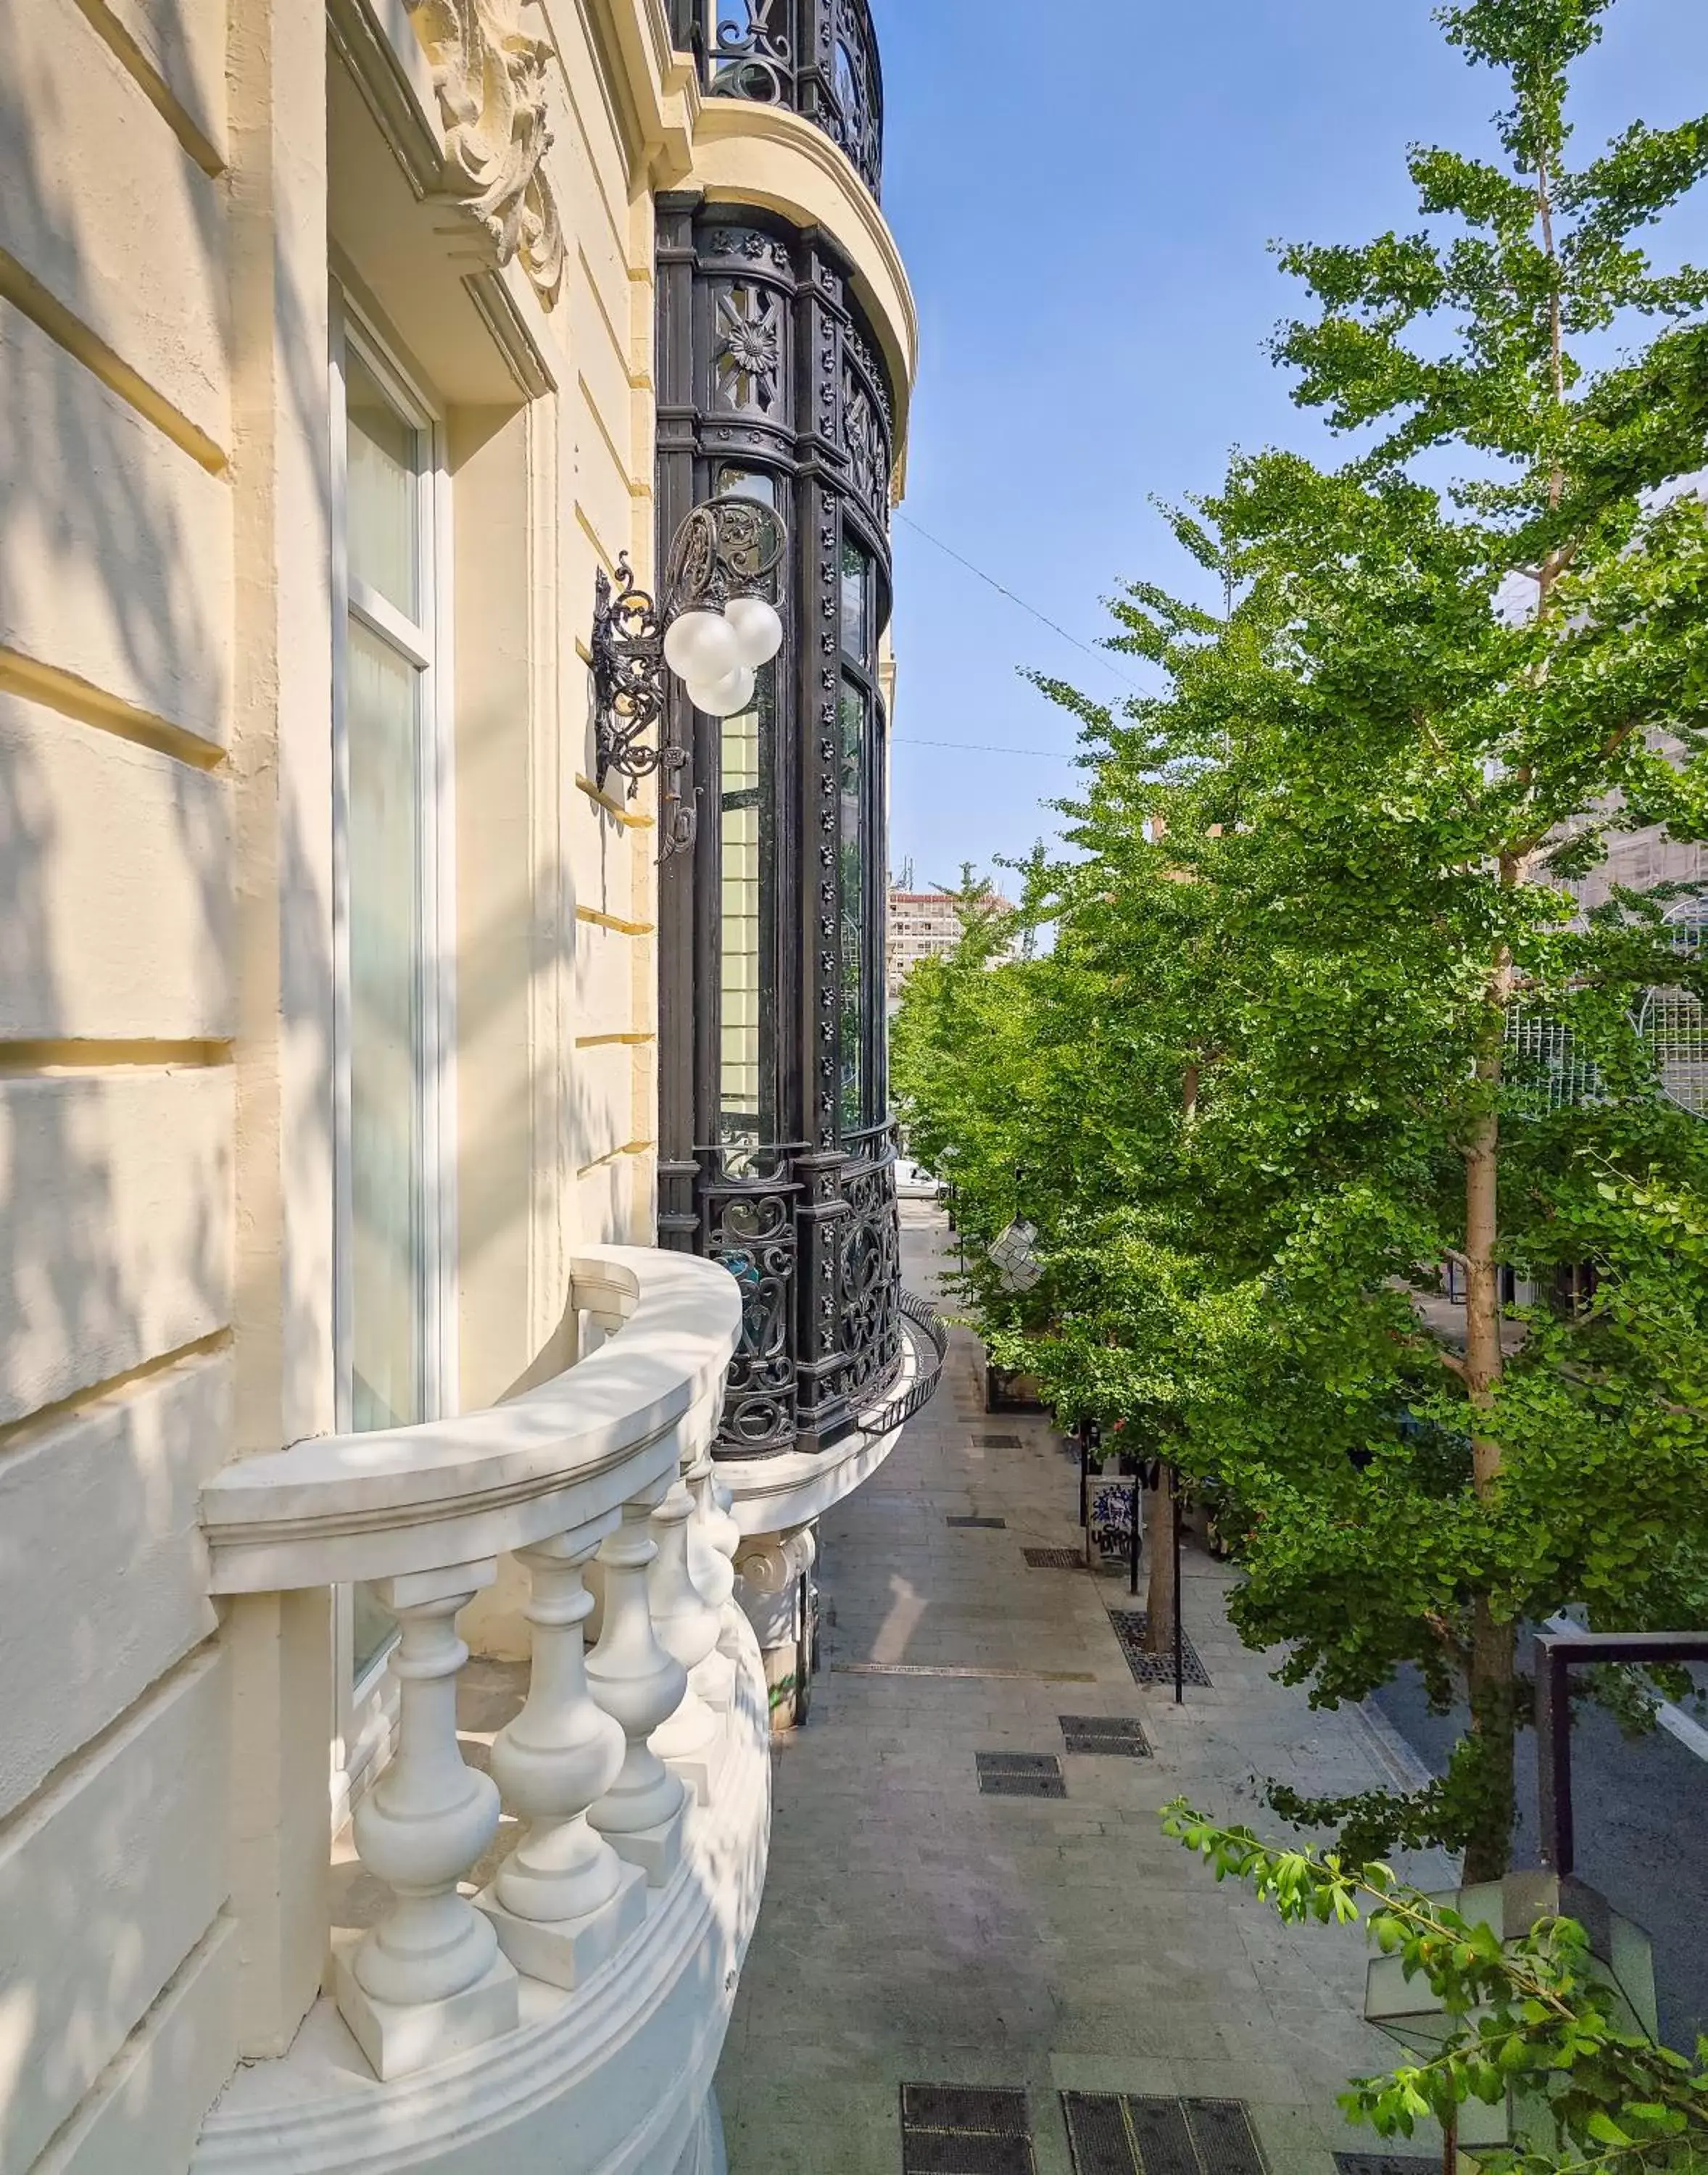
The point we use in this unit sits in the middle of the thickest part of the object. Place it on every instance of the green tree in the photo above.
(1529, 2015)
(1284, 1041)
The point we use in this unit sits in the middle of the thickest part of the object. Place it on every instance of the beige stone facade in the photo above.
(220, 228)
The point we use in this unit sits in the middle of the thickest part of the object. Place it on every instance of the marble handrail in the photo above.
(399, 1501)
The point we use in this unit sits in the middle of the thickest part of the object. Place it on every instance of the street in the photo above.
(1641, 1812)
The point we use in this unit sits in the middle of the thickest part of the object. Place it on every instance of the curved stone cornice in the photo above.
(765, 155)
(489, 75)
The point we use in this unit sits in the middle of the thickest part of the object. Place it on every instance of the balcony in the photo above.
(818, 57)
(556, 1942)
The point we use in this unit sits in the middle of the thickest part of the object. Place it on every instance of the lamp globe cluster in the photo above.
(718, 655)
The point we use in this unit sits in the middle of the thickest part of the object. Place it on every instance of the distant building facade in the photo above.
(926, 925)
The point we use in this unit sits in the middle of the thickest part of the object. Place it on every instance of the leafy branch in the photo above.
(1529, 2016)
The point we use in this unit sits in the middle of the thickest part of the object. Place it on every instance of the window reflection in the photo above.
(383, 452)
(746, 857)
(856, 602)
(853, 714)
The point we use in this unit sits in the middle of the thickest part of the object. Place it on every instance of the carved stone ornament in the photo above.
(488, 71)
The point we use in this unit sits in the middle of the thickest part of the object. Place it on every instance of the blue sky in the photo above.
(1084, 197)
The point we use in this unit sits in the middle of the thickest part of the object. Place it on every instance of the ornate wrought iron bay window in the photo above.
(777, 1153)
(819, 57)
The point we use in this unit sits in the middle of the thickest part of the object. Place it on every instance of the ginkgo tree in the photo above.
(1318, 952)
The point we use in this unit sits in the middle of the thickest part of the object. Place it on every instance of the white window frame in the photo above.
(365, 1710)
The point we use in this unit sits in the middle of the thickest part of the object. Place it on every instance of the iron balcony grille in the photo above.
(817, 57)
(928, 1341)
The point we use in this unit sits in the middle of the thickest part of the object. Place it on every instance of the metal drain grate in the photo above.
(1147, 1668)
(1221, 2131)
(979, 1525)
(1119, 1735)
(1383, 2163)
(1054, 1558)
(954, 2129)
(1020, 1774)
(997, 1442)
(1119, 2134)
(1016, 1763)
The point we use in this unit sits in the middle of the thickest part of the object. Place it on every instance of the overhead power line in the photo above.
(983, 747)
(1044, 619)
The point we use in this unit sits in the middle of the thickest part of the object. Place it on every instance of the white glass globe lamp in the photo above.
(758, 629)
(726, 696)
(701, 647)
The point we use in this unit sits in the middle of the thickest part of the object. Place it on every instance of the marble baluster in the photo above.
(563, 1900)
(687, 1627)
(713, 1574)
(720, 1518)
(428, 1980)
(640, 1686)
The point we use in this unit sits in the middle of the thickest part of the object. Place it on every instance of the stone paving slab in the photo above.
(915, 1931)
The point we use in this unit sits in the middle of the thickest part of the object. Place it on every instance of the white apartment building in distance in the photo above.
(926, 925)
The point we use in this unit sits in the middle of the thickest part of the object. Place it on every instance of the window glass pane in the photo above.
(373, 1629)
(382, 486)
(853, 710)
(746, 483)
(745, 1111)
(382, 702)
(856, 602)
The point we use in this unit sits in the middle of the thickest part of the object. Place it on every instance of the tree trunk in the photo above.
(1494, 1645)
(1482, 1348)
(1493, 1719)
(1159, 1595)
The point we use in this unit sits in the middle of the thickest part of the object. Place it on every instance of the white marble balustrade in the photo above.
(614, 1748)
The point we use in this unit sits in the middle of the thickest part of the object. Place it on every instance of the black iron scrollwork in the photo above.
(750, 1216)
(928, 1335)
(755, 59)
(818, 56)
(728, 548)
(628, 677)
(870, 1276)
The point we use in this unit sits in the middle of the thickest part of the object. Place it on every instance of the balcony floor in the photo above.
(913, 1930)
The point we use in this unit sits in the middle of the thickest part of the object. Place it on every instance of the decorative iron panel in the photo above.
(769, 387)
(748, 1202)
(870, 1297)
(818, 57)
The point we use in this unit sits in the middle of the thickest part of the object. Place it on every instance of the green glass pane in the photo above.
(852, 721)
(746, 857)
(381, 488)
(746, 483)
(387, 1277)
(856, 602)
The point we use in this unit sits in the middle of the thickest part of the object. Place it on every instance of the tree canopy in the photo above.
(1323, 1013)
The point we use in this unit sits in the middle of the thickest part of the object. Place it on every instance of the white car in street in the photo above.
(913, 1183)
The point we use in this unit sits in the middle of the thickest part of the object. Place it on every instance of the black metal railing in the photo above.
(927, 1335)
(818, 57)
(815, 1242)
(1557, 1654)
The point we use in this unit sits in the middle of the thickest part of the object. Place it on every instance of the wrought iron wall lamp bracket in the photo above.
(715, 628)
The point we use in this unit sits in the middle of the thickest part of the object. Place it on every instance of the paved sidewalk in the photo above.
(914, 1930)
